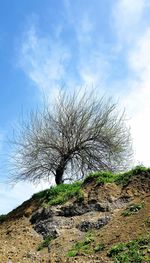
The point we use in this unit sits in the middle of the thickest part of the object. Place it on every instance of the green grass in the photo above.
(101, 177)
(82, 247)
(100, 247)
(60, 194)
(121, 178)
(3, 218)
(45, 243)
(135, 251)
(125, 177)
(86, 246)
(132, 209)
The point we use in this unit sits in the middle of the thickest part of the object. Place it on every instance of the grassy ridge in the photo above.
(121, 178)
(62, 193)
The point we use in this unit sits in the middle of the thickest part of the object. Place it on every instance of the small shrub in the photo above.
(132, 209)
(135, 251)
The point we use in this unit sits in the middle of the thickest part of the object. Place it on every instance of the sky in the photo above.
(52, 44)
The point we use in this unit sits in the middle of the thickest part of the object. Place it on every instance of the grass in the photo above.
(121, 178)
(3, 218)
(101, 177)
(45, 243)
(135, 251)
(86, 246)
(60, 194)
(100, 247)
(125, 177)
(132, 209)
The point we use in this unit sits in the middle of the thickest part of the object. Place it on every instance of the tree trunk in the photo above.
(59, 175)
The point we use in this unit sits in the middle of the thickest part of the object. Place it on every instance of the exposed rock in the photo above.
(41, 214)
(46, 228)
(82, 208)
(87, 225)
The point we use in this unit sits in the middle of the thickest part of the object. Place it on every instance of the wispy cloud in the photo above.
(91, 59)
(133, 30)
(44, 60)
(138, 99)
(55, 61)
(128, 19)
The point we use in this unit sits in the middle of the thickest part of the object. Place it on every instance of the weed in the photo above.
(86, 246)
(132, 209)
(100, 247)
(45, 243)
(82, 247)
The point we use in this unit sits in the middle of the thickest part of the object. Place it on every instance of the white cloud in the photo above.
(128, 18)
(93, 70)
(81, 21)
(44, 60)
(133, 34)
(139, 57)
(138, 99)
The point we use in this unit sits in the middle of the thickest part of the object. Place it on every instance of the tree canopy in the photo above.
(74, 136)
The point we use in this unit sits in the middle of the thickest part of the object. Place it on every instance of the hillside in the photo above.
(106, 218)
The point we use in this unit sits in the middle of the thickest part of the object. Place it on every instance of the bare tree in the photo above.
(77, 135)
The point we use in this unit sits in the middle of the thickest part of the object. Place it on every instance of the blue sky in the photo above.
(45, 45)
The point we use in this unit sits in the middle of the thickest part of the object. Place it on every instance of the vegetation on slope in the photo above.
(132, 209)
(60, 194)
(121, 178)
(87, 246)
(134, 251)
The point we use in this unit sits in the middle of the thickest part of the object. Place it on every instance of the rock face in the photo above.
(88, 225)
(48, 223)
(84, 215)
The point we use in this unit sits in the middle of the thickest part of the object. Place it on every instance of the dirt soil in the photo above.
(19, 240)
